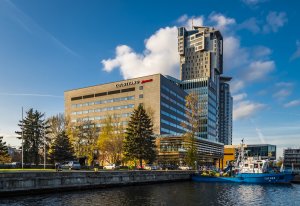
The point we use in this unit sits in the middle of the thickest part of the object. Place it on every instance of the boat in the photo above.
(247, 170)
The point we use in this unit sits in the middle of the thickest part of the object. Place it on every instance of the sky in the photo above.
(48, 47)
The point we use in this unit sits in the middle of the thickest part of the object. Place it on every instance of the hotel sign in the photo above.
(125, 84)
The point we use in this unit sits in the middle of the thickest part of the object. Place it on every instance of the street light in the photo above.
(22, 140)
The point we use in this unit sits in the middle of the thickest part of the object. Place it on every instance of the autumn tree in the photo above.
(83, 136)
(193, 114)
(57, 124)
(139, 139)
(110, 141)
(4, 156)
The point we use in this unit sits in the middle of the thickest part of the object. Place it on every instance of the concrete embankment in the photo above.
(296, 179)
(40, 182)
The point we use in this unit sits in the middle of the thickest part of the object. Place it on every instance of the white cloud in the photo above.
(245, 109)
(292, 103)
(259, 69)
(251, 25)
(282, 93)
(261, 52)
(187, 21)
(159, 56)
(275, 20)
(253, 2)
(239, 97)
(222, 22)
(284, 84)
(236, 85)
(297, 52)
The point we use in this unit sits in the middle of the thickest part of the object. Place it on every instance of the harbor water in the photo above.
(177, 193)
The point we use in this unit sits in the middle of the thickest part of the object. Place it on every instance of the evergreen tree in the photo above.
(61, 149)
(139, 140)
(4, 156)
(34, 129)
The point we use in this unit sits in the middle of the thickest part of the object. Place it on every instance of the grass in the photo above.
(27, 170)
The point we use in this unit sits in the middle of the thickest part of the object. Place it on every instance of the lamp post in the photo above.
(44, 136)
(22, 140)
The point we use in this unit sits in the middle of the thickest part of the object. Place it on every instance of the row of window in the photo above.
(173, 93)
(172, 108)
(101, 117)
(103, 94)
(104, 109)
(173, 125)
(168, 131)
(103, 101)
(174, 117)
(172, 100)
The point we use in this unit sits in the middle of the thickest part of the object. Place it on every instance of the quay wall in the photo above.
(296, 179)
(13, 183)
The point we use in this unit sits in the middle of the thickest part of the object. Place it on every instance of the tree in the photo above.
(34, 129)
(110, 141)
(4, 156)
(139, 140)
(193, 114)
(84, 136)
(57, 124)
(61, 149)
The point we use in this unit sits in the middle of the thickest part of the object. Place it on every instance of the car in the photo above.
(152, 167)
(182, 167)
(71, 165)
(110, 167)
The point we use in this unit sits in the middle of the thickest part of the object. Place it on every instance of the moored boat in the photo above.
(248, 170)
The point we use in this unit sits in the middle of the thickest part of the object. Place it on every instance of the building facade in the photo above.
(163, 100)
(262, 151)
(225, 112)
(257, 151)
(291, 159)
(201, 64)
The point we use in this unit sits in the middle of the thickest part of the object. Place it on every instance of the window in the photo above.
(141, 96)
(141, 88)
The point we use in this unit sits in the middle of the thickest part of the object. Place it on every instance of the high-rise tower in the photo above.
(201, 64)
(225, 112)
(201, 53)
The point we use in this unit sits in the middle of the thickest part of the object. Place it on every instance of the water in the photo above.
(179, 193)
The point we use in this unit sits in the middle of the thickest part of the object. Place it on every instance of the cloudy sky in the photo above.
(47, 47)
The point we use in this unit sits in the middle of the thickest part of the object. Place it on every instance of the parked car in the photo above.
(169, 167)
(152, 167)
(110, 167)
(182, 167)
(71, 165)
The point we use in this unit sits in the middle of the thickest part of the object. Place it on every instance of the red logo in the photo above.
(147, 80)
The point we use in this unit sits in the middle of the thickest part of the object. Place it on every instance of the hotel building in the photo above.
(161, 97)
(156, 93)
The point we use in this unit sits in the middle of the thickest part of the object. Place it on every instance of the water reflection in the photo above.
(180, 193)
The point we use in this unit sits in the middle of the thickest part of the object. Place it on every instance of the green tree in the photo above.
(84, 136)
(61, 149)
(34, 129)
(110, 141)
(4, 156)
(139, 141)
(193, 114)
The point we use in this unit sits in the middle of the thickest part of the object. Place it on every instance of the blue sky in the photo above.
(47, 47)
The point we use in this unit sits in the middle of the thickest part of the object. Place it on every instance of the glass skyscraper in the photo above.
(201, 64)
